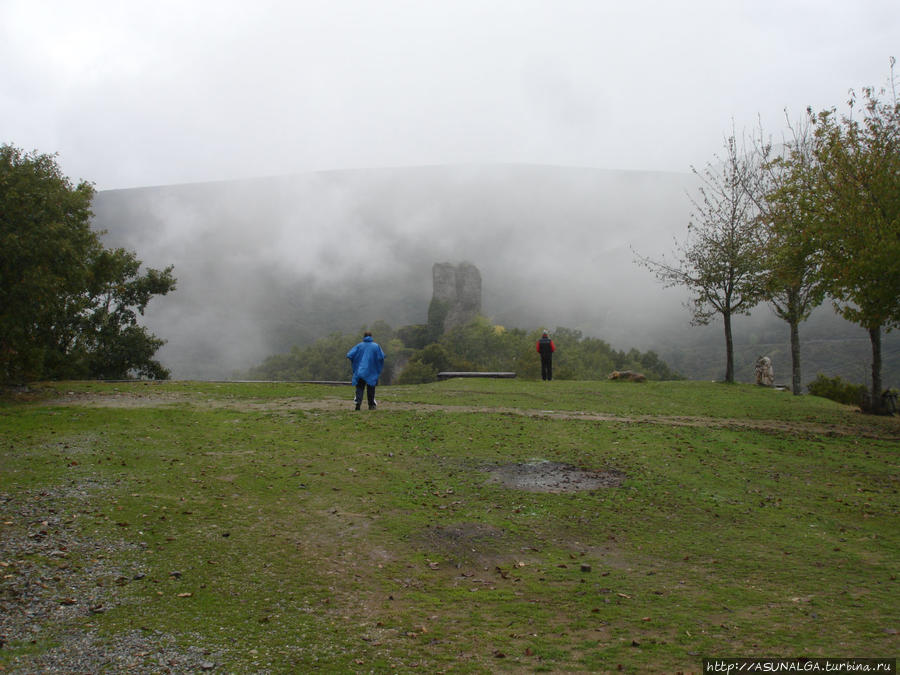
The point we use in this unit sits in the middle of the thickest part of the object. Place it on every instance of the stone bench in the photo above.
(448, 374)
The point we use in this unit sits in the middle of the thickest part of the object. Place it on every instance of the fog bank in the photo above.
(265, 264)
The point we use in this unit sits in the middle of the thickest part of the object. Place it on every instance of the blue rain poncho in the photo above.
(368, 360)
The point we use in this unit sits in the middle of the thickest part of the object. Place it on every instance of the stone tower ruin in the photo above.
(456, 298)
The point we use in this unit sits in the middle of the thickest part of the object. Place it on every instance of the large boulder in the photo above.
(627, 376)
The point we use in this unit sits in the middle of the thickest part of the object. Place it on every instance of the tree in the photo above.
(783, 188)
(721, 260)
(858, 229)
(68, 306)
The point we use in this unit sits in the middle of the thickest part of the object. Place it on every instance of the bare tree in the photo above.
(721, 259)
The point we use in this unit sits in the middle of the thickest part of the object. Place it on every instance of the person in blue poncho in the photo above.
(367, 359)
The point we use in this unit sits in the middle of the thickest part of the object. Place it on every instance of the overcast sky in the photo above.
(134, 93)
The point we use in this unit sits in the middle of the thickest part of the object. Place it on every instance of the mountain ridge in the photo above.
(268, 262)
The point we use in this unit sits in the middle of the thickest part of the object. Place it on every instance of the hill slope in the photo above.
(268, 263)
(464, 526)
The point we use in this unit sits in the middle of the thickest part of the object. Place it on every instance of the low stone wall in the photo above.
(449, 374)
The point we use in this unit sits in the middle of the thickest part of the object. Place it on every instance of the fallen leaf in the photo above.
(185, 595)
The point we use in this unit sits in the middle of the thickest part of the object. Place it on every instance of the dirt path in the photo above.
(334, 404)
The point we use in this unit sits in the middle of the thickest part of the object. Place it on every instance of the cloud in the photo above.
(135, 94)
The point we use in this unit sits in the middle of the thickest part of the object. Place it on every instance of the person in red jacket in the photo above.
(545, 348)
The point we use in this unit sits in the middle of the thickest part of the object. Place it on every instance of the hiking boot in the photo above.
(372, 406)
(357, 405)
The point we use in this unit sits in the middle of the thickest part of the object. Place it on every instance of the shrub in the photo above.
(836, 389)
(417, 372)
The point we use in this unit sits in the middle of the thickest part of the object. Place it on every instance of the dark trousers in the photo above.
(361, 384)
(546, 368)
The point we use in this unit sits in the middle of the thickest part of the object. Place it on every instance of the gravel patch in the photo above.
(53, 579)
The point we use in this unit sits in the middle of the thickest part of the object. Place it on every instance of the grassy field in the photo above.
(270, 528)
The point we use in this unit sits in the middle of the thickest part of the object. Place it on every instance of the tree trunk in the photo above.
(796, 384)
(875, 337)
(729, 350)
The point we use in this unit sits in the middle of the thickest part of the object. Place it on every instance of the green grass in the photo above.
(309, 536)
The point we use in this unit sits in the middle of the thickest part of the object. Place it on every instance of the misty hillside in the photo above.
(268, 263)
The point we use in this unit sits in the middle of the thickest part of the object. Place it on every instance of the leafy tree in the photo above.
(437, 316)
(436, 356)
(326, 358)
(858, 229)
(425, 365)
(476, 346)
(415, 336)
(115, 345)
(783, 189)
(382, 331)
(68, 306)
(480, 342)
(721, 260)
(417, 372)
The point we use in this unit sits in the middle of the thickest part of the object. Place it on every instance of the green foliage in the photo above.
(437, 315)
(480, 345)
(326, 358)
(418, 372)
(68, 306)
(436, 356)
(836, 389)
(784, 189)
(859, 197)
(477, 346)
(721, 260)
(415, 336)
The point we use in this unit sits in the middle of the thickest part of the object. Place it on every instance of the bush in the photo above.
(836, 389)
(417, 372)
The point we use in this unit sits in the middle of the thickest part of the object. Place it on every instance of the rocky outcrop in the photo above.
(456, 298)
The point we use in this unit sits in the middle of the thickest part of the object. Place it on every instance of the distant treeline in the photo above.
(412, 357)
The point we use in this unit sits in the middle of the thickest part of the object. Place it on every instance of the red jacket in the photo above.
(545, 346)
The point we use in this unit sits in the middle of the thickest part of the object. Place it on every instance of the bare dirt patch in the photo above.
(333, 404)
(466, 542)
(554, 477)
